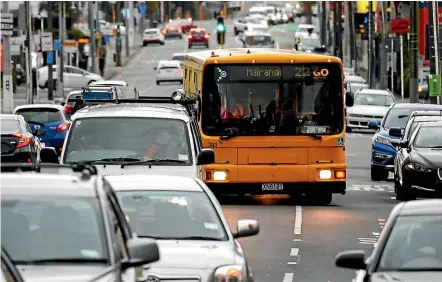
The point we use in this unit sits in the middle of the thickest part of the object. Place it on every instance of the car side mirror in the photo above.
(373, 124)
(39, 132)
(206, 156)
(62, 103)
(404, 144)
(141, 251)
(395, 132)
(351, 260)
(48, 155)
(246, 228)
(349, 99)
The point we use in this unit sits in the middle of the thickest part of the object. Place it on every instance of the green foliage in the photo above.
(75, 33)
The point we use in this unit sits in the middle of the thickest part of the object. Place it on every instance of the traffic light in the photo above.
(220, 27)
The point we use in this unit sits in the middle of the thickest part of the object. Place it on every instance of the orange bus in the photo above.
(275, 119)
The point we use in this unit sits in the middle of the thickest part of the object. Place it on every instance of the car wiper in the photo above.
(202, 238)
(63, 260)
(155, 161)
(402, 116)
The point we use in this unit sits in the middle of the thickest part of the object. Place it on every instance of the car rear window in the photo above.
(150, 32)
(178, 58)
(41, 115)
(169, 67)
(198, 33)
(9, 125)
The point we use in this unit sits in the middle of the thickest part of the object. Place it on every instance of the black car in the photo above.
(408, 248)
(415, 119)
(19, 142)
(68, 227)
(9, 272)
(419, 171)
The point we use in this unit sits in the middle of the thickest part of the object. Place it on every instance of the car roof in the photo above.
(171, 63)
(109, 82)
(434, 118)
(168, 111)
(426, 113)
(421, 207)
(178, 54)
(36, 184)
(38, 106)
(417, 106)
(154, 182)
(435, 123)
(197, 29)
(257, 33)
(306, 26)
(374, 91)
(151, 29)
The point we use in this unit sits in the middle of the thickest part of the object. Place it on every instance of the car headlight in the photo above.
(418, 167)
(419, 89)
(382, 139)
(230, 273)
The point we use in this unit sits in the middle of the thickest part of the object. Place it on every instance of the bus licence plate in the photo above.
(272, 186)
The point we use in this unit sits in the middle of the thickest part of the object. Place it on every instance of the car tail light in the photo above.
(63, 127)
(180, 30)
(24, 141)
(68, 109)
(189, 36)
(206, 36)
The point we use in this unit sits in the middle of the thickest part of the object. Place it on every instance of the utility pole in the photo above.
(162, 12)
(323, 23)
(339, 28)
(347, 59)
(370, 45)
(60, 69)
(413, 84)
(383, 50)
(434, 58)
(91, 22)
(50, 70)
(29, 42)
(127, 24)
(352, 33)
(335, 29)
(7, 99)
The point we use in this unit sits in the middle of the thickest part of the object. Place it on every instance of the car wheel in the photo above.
(207, 46)
(158, 83)
(90, 82)
(235, 31)
(378, 174)
(162, 42)
(144, 44)
(190, 46)
(397, 189)
(407, 193)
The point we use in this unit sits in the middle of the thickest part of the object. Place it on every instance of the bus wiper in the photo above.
(155, 161)
(316, 137)
(110, 160)
(229, 136)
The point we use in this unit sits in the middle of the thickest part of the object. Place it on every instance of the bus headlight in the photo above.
(219, 175)
(325, 174)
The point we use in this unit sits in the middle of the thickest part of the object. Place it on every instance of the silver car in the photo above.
(369, 104)
(169, 71)
(187, 222)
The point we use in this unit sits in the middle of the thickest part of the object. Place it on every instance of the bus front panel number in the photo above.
(213, 145)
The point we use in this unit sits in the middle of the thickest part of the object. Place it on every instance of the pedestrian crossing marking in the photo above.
(373, 240)
(359, 135)
(371, 187)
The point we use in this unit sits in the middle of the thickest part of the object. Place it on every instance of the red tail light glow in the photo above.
(23, 142)
(68, 109)
(63, 127)
(206, 36)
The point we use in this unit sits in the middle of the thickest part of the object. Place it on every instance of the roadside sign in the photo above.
(70, 46)
(56, 45)
(142, 9)
(50, 58)
(107, 30)
(47, 42)
(400, 25)
(7, 23)
(434, 85)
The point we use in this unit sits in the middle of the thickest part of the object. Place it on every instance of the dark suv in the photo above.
(69, 227)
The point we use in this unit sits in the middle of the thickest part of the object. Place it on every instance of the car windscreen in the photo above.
(53, 229)
(413, 245)
(272, 99)
(172, 215)
(258, 40)
(41, 115)
(150, 32)
(142, 138)
(9, 126)
(419, 120)
(178, 58)
(429, 137)
(397, 117)
(365, 99)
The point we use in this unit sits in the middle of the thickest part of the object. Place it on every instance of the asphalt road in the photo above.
(296, 242)
(277, 254)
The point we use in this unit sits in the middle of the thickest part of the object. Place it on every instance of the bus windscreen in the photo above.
(288, 99)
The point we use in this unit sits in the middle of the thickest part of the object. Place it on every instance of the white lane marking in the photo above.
(393, 198)
(297, 240)
(288, 277)
(292, 262)
(294, 252)
(298, 221)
